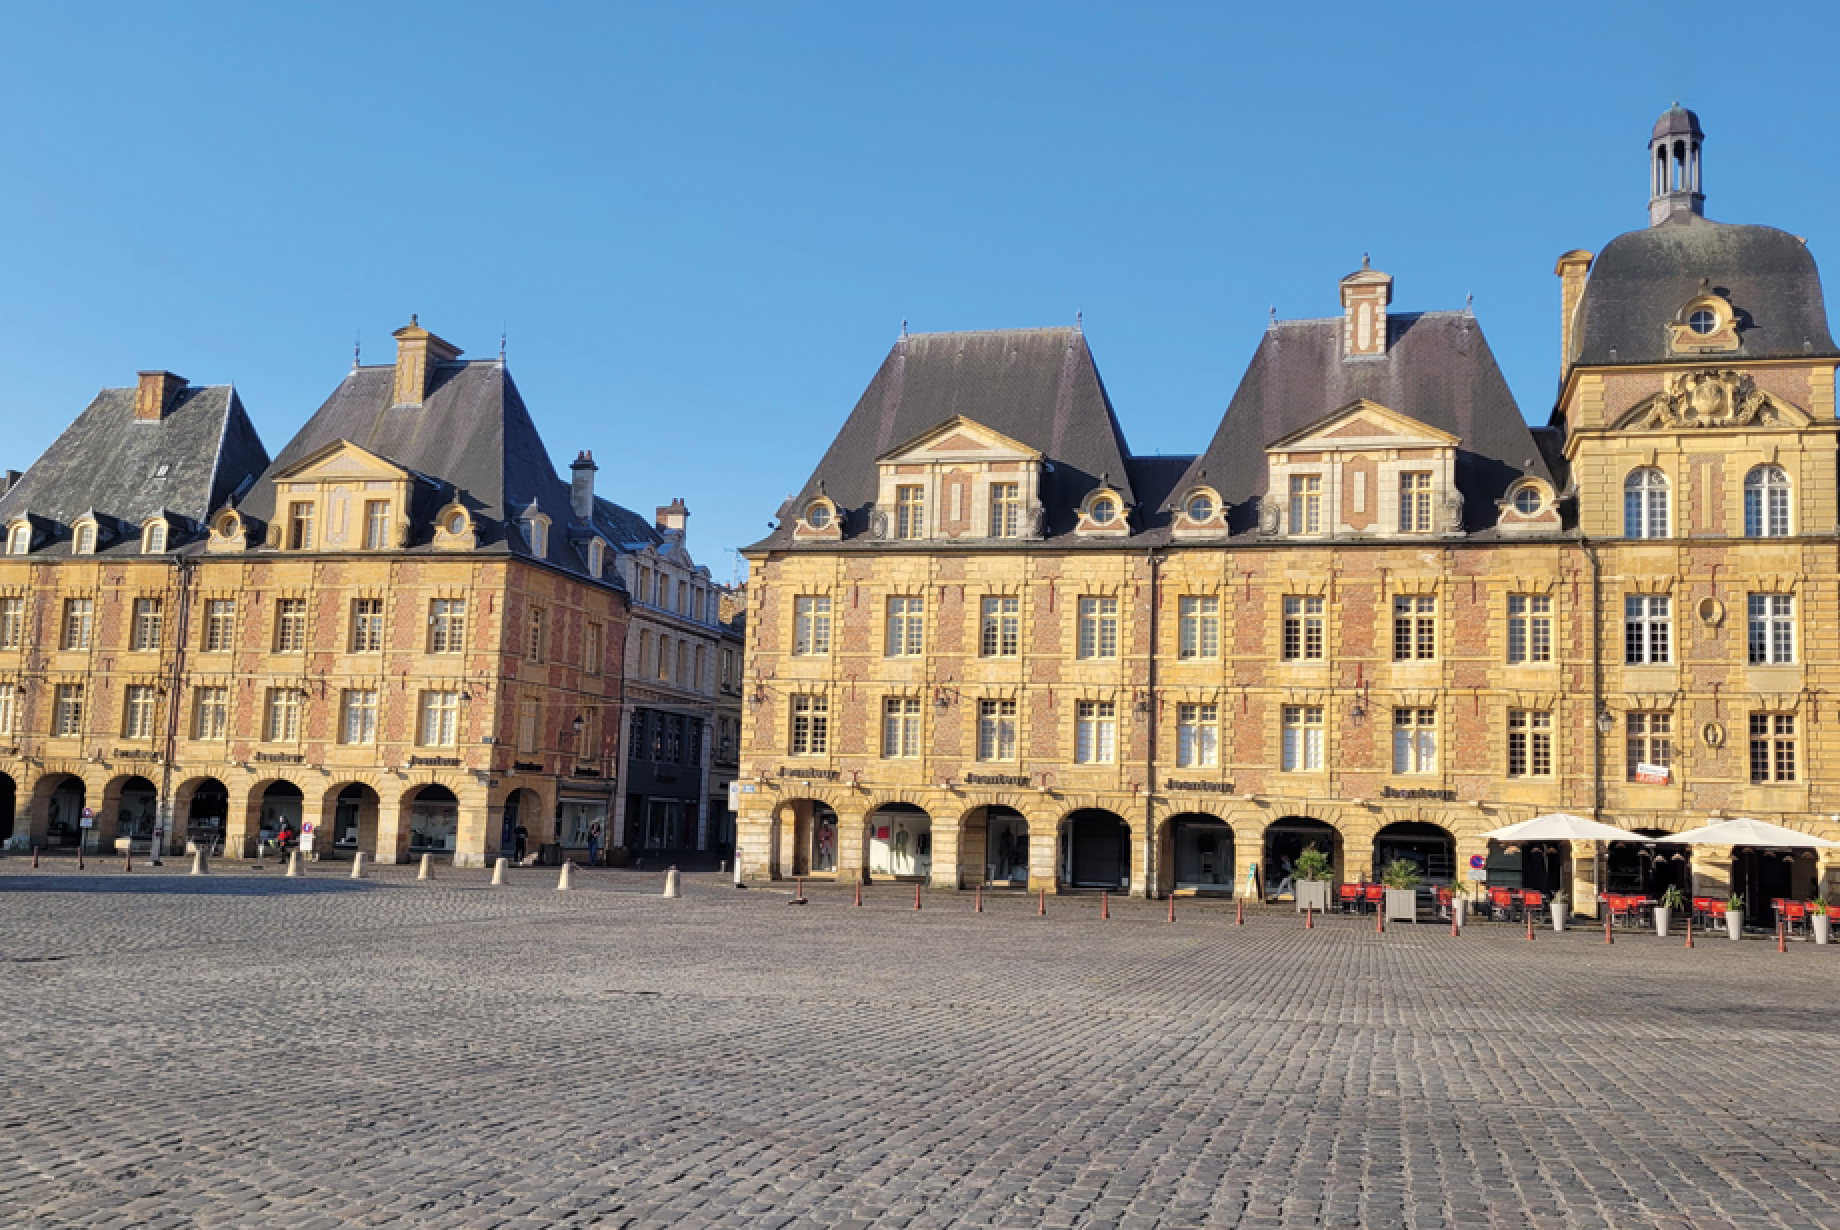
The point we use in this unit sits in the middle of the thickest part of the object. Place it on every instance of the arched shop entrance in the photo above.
(1645, 867)
(996, 847)
(9, 803)
(64, 803)
(1203, 850)
(900, 842)
(1285, 839)
(1764, 874)
(1426, 846)
(137, 810)
(1096, 850)
(434, 821)
(207, 812)
(1541, 865)
(523, 807)
(353, 822)
(281, 802)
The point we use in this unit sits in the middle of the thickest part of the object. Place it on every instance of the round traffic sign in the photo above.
(1478, 862)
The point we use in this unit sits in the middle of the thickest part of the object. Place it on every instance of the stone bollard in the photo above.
(562, 883)
(427, 871)
(357, 866)
(198, 864)
(671, 888)
(498, 872)
(293, 863)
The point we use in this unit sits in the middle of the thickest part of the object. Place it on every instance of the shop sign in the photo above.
(996, 779)
(1652, 774)
(280, 758)
(434, 762)
(736, 790)
(1170, 783)
(1440, 796)
(818, 775)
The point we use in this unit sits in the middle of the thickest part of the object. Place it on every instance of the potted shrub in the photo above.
(1671, 900)
(1401, 880)
(1819, 920)
(1558, 910)
(1310, 874)
(1734, 916)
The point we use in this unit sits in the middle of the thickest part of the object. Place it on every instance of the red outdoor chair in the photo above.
(1443, 902)
(1374, 895)
(1702, 910)
(1348, 896)
(1623, 910)
(1501, 903)
(1715, 911)
(1795, 916)
(1532, 901)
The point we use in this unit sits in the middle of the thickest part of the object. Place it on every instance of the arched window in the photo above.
(1766, 503)
(595, 549)
(153, 541)
(1645, 504)
(19, 539)
(86, 539)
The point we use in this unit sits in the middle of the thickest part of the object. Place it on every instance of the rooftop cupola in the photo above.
(417, 353)
(1674, 192)
(1365, 295)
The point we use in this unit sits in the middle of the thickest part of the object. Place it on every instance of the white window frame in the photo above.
(997, 730)
(1646, 504)
(440, 719)
(366, 625)
(1415, 501)
(358, 717)
(1197, 735)
(139, 705)
(1529, 629)
(12, 622)
(910, 511)
(811, 625)
(1000, 626)
(1303, 739)
(219, 630)
(1530, 743)
(290, 625)
(376, 525)
(811, 720)
(282, 722)
(1415, 618)
(1767, 502)
(149, 624)
(1006, 510)
(79, 624)
(906, 626)
(1095, 732)
(67, 715)
(1649, 739)
(211, 714)
(1771, 638)
(1198, 627)
(901, 727)
(1648, 629)
(1415, 741)
(1098, 628)
(1303, 630)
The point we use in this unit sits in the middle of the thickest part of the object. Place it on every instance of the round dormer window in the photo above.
(1201, 508)
(226, 526)
(1703, 321)
(1103, 511)
(818, 515)
(456, 524)
(1527, 501)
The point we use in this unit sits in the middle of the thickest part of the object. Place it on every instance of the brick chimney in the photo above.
(673, 518)
(155, 395)
(417, 352)
(1572, 268)
(581, 486)
(1365, 295)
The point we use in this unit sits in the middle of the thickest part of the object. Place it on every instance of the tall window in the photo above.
(1414, 627)
(440, 719)
(1772, 629)
(591, 649)
(67, 719)
(79, 616)
(1529, 628)
(906, 623)
(664, 658)
(1303, 628)
(1306, 503)
(137, 712)
(901, 727)
(153, 542)
(1198, 627)
(1772, 747)
(148, 623)
(219, 625)
(211, 714)
(533, 636)
(1766, 503)
(1303, 738)
(1098, 628)
(528, 711)
(1095, 732)
(811, 725)
(366, 625)
(1651, 741)
(447, 625)
(376, 524)
(1415, 740)
(12, 622)
(1197, 736)
(1000, 628)
(1006, 510)
(1646, 626)
(291, 625)
(19, 540)
(683, 598)
(9, 708)
(996, 730)
(284, 705)
(300, 526)
(684, 678)
(909, 512)
(811, 625)
(1645, 504)
(1529, 743)
(359, 723)
(1415, 502)
(86, 540)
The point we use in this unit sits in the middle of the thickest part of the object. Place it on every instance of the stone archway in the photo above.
(130, 810)
(1200, 853)
(994, 847)
(201, 813)
(1286, 838)
(523, 809)
(1428, 847)
(59, 799)
(432, 817)
(348, 819)
(1095, 849)
(900, 842)
(9, 807)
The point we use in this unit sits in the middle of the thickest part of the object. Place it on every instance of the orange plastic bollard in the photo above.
(1042, 910)
(1105, 905)
(1608, 938)
(1309, 917)
(1689, 929)
(916, 896)
(979, 908)
(1172, 907)
(1529, 926)
(1380, 919)
(1239, 914)
(859, 893)
(1779, 936)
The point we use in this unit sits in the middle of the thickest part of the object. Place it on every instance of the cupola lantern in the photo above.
(1674, 167)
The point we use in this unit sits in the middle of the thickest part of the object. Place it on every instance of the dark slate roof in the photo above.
(1155, 480)
(1641, 279)
(625, 529)
(472, 432)
(1438, 369)
(1676, 121)
(105, 462)
(1039, 387)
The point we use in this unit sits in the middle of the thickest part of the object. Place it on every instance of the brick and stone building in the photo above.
(1378, 613)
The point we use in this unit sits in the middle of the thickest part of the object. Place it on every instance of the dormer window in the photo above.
(228, 526)
(536, 530)
(376, 525)
(300, 525)
(818, 514)
(456, 524)
(1306, 504)
(1528, 501)
(19, 539)
(1104, 510)
(86, 539)
(1415, 502)
(596, 557)
(910, 512)
(1006, 510)
(153, 538)
(1200, 507)
(1702, 322)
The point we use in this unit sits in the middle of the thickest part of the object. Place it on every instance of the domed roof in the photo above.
(1676, 121)
(1643, 278)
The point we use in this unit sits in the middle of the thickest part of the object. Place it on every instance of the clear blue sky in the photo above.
(702, 225)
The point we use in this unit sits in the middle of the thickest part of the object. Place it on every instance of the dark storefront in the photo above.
(664, 777)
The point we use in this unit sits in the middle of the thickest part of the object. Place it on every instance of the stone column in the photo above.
(481, 827)
(944, 873)
(1044, 854)
(616, 823)
(754, 837)
(853, 847)
(241, 824)
(392, 831)
(1248, 852)
(1582, 891)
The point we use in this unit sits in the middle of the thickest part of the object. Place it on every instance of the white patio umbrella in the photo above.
(1562, 826)
(1743, 832)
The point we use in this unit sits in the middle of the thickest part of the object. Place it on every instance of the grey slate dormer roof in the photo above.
(107, 461)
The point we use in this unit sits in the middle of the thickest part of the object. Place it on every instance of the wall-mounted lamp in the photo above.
(1606, 721)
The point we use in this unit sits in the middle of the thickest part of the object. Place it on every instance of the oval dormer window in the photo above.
(456, 524)
(226, 526)
(1704, 321)
(1201, 508)
(1102, 512)
(818, 515)
(1527, 501)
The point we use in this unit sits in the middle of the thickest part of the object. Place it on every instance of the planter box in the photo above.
(1558, 916)
(1823, 928)
(1402, 904)
(1313, 893)
(1734, 923)
(1662, 917)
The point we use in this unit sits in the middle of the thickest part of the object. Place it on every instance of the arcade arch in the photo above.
(1095, 849)
(1201, 853)
(434, 819)
(1288, 837)
(900, 842)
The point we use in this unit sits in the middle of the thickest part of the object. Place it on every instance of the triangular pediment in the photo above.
(1364, 424)
(341, 460)
(960, 439)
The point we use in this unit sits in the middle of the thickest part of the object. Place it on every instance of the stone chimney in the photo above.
(9, 481)
(581, 486)
(1572, 268)
(1365, 295)
(417, 353)
(155, 395)
(673, 518)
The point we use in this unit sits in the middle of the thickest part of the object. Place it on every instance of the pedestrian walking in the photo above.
(284, 839)
(520, 835)
(594, 842)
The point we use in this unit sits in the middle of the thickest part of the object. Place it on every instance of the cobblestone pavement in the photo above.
(243, 1050)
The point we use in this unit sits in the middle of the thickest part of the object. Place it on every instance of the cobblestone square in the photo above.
(248, 1051)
